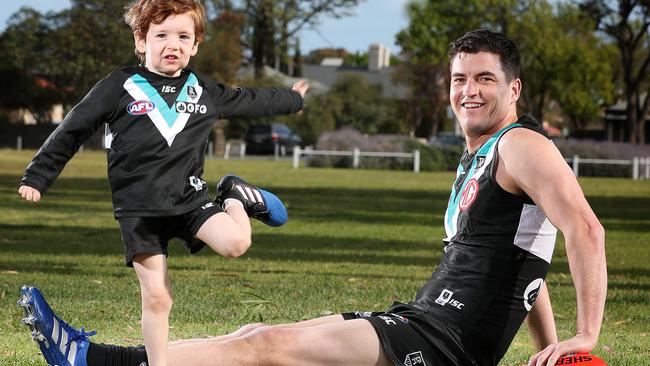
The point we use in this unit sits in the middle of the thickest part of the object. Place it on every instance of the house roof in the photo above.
(329, 75)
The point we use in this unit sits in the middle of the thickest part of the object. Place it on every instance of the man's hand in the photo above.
(550, 355)
(301, 87)
(29, 193)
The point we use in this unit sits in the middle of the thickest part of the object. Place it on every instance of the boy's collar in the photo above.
(183, 73)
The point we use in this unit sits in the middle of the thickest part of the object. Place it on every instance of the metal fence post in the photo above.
(416, 161)
(19, 143)
(296, 157)
(226, 151)
(576, 164)
(355, 157)
(276, 151)
(210, 150)
(635, 168)
(242, 150)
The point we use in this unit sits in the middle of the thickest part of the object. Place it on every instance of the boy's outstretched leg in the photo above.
(258, 203)
(60, 344)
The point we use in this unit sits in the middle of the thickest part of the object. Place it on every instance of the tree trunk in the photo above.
(630, 123)
(643, 117)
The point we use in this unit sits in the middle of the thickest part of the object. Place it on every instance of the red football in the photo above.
(581, 359)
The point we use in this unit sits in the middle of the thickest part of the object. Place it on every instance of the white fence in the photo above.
(640, 165)
(356, 155)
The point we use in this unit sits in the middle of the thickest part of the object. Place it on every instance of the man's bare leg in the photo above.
(251, 327)
(326, 341)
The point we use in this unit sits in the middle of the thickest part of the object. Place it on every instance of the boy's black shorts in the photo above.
(410, 336)
(152, 234)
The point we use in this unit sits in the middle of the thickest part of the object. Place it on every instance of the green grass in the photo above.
(356, 240)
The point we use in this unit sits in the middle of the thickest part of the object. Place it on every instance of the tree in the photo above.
(563, 61)
(25, 48)
(317, 55)
(220, 55)
(627, 22)
(271, 24)
(433, 24)
(352, 102)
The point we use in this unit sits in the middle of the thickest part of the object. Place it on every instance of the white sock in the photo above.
(228, 202)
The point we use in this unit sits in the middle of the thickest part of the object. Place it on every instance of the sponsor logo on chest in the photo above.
(469, 194)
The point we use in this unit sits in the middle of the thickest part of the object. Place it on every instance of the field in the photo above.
(356, 240)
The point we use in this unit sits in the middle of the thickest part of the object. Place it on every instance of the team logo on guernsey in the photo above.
(414, 359)
(191, 92)
(480, 161)
(531, 293)
(445, 299)
(140, 107)
(469, 194)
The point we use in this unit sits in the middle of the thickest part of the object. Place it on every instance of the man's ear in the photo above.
(140, 44)
(515, 89)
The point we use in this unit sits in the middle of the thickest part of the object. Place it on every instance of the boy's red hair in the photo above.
(142, 13)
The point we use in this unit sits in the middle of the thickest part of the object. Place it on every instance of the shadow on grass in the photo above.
(22, 240)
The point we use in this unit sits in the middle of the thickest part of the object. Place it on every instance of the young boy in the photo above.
(158, 117)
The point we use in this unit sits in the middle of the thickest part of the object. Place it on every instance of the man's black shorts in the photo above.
(411, 337)
(152, 234)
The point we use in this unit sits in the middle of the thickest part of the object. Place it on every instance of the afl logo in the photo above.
(140, 107)
(469, 194)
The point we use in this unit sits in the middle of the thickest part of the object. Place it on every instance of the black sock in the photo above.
(110, 355)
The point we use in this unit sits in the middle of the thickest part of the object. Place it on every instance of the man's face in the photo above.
(480, 96)
(169, 45)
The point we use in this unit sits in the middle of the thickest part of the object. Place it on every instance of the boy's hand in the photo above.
(29, 193)
(301, 87)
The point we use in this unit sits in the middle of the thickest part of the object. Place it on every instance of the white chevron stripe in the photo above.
(55, 331)
(73, 353)
(169, 133)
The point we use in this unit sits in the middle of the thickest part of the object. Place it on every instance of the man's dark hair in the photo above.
(483, 40)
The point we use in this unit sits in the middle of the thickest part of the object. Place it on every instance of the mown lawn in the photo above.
(356, 240)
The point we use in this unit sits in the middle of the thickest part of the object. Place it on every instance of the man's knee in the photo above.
(272, 345)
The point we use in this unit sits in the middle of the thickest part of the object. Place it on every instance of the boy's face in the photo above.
(169, 45)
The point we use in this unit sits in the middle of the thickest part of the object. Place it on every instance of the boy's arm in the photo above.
(254, 102)
(80, 123)
(540, 321)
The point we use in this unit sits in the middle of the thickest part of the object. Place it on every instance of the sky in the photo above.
(373, 21)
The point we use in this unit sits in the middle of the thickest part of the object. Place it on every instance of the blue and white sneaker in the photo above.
(258, 203)
(61, 344)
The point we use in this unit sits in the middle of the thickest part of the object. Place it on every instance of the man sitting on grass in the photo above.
(512, 190)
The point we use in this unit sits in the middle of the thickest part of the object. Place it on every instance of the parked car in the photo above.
(262, 139)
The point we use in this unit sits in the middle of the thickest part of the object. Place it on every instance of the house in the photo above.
(378, 71)
(614, 122)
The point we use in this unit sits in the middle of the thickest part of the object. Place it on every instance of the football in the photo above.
(581, 359)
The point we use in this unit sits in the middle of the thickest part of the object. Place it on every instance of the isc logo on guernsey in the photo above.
(140, 107)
